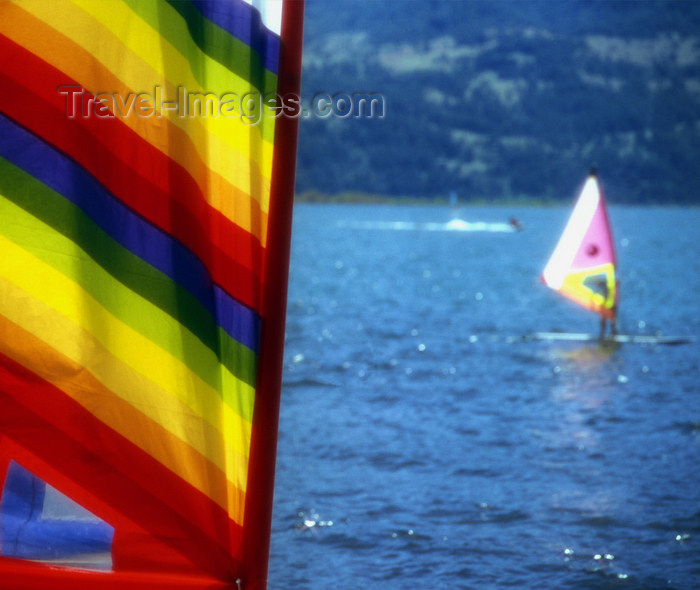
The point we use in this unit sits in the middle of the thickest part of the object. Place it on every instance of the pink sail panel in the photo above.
(596, 246)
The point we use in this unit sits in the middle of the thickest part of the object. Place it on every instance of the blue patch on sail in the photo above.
(37, 522)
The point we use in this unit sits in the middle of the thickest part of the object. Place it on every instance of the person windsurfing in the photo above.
(603, 285)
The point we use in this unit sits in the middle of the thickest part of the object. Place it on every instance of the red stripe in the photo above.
(161, 522)
(24, 575)
(137, 173)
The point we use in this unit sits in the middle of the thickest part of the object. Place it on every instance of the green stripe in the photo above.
(196, 35)
(122, 282)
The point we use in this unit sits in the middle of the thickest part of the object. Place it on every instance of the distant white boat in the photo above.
(461, 225)
(455, 225)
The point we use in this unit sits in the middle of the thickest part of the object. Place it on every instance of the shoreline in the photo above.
(359, 198)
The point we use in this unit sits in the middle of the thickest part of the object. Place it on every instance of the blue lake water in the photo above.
(425, 444)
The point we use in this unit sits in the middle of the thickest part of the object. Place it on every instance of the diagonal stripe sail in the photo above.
(146, 181)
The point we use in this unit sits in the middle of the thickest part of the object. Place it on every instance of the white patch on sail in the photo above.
(563, 256)
(271, 13)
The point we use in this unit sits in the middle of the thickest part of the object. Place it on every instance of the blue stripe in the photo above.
(244, 22)
(150, 243)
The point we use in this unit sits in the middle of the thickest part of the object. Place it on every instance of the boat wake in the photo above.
(455, 225)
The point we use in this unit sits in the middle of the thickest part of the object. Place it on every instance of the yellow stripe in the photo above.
(160, 55)
(45, 284)
(80, 347)
(181, 343)
(54, 48)
(180, 456)
(134, 52)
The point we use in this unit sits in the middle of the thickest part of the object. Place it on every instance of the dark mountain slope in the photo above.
(505, 99)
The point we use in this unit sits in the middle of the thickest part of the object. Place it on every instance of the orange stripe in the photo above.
(54, 48)
(85, 389)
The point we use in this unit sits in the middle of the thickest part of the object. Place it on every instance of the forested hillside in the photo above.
(505, 99)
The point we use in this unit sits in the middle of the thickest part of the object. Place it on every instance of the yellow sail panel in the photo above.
(594, 289)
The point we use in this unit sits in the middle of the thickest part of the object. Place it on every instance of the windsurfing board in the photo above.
(618, 338)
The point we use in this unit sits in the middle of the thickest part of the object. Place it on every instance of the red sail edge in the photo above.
(256, 542)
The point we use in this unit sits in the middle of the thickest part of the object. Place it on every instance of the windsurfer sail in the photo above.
(582, 266)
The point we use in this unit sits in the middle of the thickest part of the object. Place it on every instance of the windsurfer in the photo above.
(613, 325)
(613, 309)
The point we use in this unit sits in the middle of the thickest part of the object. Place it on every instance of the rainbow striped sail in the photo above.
(582, 266)
(146, 181)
